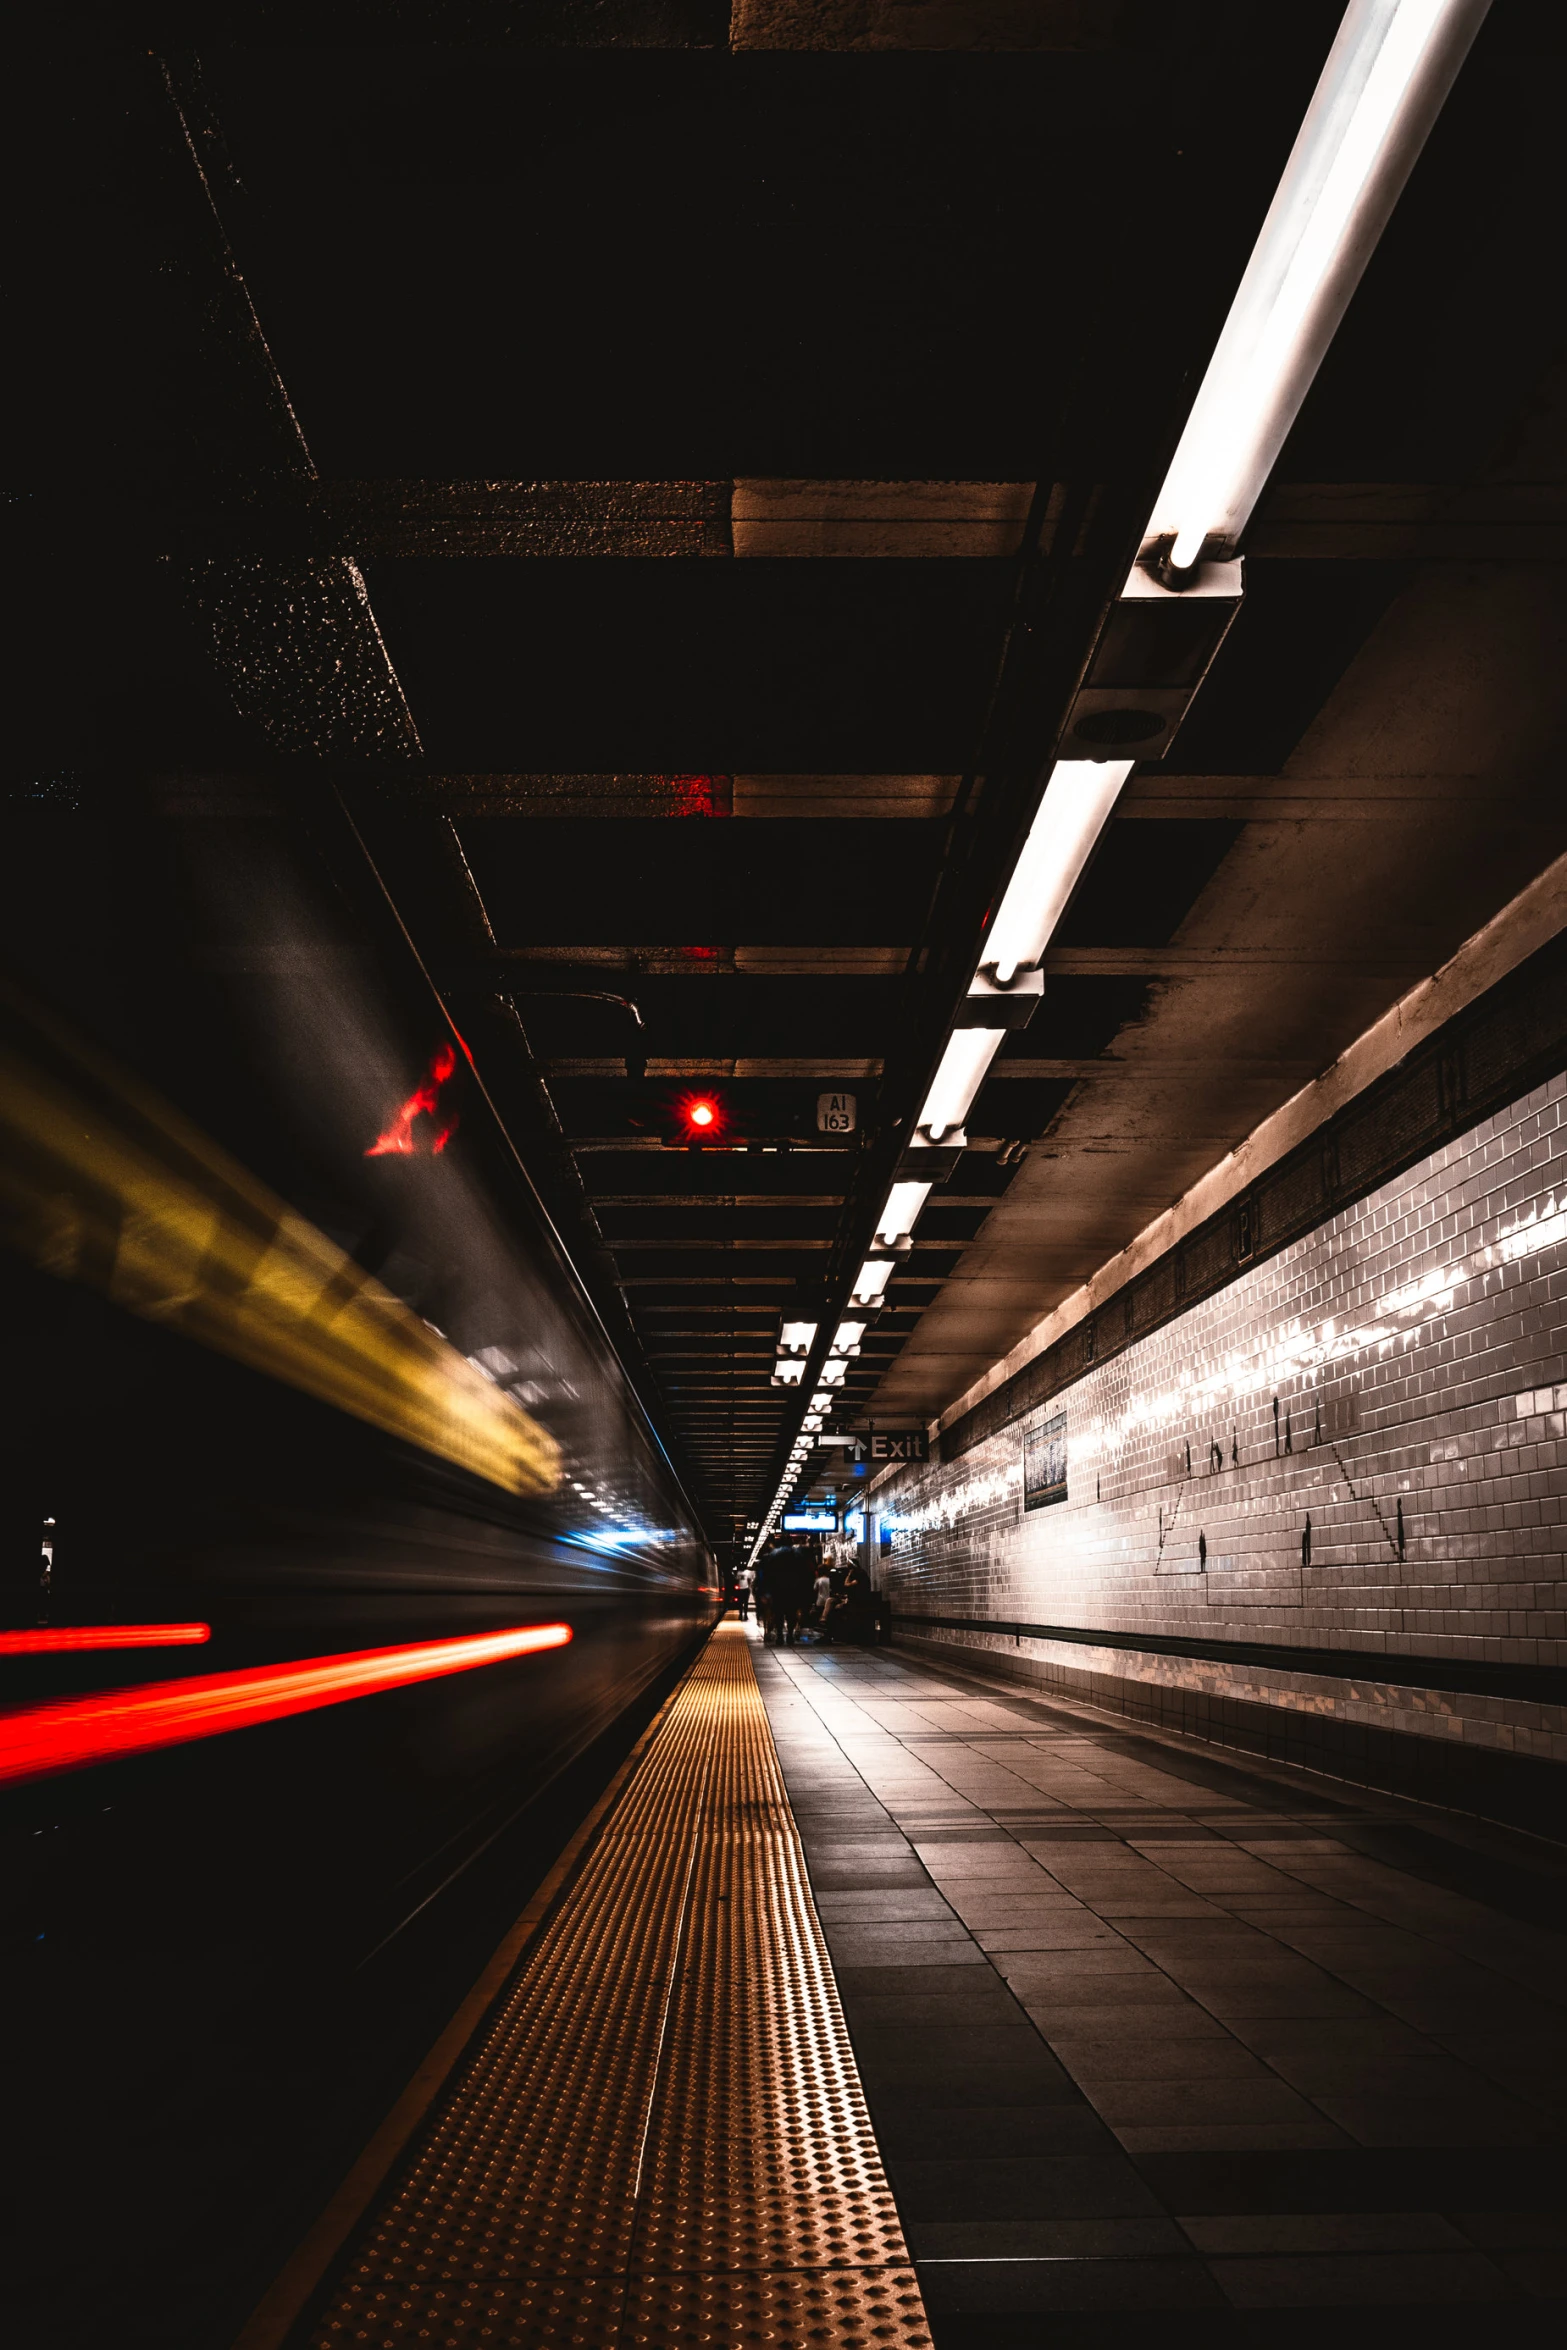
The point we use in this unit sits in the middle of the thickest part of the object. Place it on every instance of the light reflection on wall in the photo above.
(982, 1492)
(1303, 1351)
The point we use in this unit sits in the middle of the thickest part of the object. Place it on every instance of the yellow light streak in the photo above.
(105, 1183)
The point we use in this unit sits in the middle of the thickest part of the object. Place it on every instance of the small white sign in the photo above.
(836, 1113)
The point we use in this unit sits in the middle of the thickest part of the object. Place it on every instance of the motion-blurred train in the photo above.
(336, 1542)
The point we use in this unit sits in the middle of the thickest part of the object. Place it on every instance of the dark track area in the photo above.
(220, 2011)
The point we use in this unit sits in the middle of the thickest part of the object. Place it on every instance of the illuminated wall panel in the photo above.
(1358, 1447)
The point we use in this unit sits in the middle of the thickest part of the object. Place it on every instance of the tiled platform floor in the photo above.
(1148, 2030)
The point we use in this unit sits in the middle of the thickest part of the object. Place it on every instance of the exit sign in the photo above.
(897, 1444)
(836, 1113)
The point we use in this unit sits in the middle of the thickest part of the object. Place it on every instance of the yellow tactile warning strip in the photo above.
(660, 2137)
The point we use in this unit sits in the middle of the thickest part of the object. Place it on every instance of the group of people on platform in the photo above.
(797, 1593)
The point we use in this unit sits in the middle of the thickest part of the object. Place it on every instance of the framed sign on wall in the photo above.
(1044, 1463)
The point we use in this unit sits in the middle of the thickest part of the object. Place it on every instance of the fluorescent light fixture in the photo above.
(1381, 90)
(812, 1420)
(1077, 803)
(822, 1402)
(795, 1338)
(787, 1373)
(833, 1372)
(901, 1214)
(846, 1338)
(871, 1280)
(969, 1054)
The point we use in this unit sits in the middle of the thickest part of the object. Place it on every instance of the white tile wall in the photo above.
(1409, 1357)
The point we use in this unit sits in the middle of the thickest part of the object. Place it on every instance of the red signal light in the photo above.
(702, 1116)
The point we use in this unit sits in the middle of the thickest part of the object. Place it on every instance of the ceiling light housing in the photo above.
(989, 1005)
(1153, 653)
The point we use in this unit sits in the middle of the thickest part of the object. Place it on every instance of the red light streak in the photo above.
(424, 1102)
(71, 1733)
(37, 1643)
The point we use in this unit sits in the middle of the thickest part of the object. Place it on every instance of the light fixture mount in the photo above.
(989, 1004)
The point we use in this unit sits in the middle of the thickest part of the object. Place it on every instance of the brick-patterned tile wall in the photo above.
(1358, 1445)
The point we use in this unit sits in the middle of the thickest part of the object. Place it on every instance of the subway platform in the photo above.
(882, 2005)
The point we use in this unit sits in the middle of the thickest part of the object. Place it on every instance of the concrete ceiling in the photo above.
(668, 475)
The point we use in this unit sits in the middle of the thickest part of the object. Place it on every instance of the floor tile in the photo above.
(1044, 2286)
(1399, 2121)
(1219, 2137)
(1045, 2239)
(865, 1953)
(965, 2133)
(1169, 2020)
(920, 1901)
(1137, 1979)
(1112, 1957)
(1065, 2186)
(1288, 2038)
(1362, 2280)
(1003, 1867)
(1259, 2233)
(1256, 1999)
(989, 1906)
(954, 1989)
(897, 2083)
(1260, 2100)
(1527, 2231)
(862, 1875)
(1072, 1933)
(1155, 2058)
(1542, 2275)
(1083, 1987)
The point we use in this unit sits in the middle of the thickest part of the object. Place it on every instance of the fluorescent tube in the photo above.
(1381, 90)
(795, 1338)
(969, 1054)
(1078, 800)
(901, 1214)
(871, 1281)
